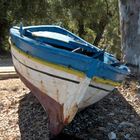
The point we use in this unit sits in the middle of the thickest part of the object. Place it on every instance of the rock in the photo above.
(112, 136)
(92, 139)
(102, 128)
(116, 121)
(109, 124)
(111, 114)
(132, 116)
(127, 136)
(125, 124)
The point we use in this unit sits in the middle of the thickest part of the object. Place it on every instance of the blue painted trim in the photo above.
(90, 66)
(72, 44)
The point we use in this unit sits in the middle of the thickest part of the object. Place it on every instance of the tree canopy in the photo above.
(96, 21)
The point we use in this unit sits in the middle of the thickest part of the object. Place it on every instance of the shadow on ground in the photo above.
(112, 114)
(33, 121)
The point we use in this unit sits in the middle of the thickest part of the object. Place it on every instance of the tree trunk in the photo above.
(3, 28)
(99, 34)
(101, 27)
(130, 30)
(81, 30)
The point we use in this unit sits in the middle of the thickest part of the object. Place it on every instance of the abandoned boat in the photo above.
(63, 71)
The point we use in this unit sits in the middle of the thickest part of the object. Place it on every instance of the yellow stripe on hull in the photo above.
(65, 69)
(55, 66)
(105, 81)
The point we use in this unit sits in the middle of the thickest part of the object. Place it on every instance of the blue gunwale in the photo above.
(90, 66)
(58, 29)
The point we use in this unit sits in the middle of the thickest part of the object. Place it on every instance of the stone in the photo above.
(125, 124)
(127, 136)
(112, 136)
(111, 114)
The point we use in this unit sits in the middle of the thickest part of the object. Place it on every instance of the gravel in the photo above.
(117, 116)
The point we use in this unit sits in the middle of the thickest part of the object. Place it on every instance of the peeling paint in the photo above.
(54, 109)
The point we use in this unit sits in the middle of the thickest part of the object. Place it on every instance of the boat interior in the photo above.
(61, 38)
(66, 42)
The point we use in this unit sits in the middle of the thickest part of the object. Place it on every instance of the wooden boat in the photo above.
(63, 71)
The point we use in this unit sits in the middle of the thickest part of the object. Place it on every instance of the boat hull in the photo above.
(55, 114)
(56, 88)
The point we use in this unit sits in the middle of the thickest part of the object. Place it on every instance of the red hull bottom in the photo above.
(53, 108)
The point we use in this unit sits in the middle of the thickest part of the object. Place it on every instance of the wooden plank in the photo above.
(7, 72)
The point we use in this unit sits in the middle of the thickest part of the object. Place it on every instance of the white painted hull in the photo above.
(65, 92)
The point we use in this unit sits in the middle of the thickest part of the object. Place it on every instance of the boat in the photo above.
(64, 72)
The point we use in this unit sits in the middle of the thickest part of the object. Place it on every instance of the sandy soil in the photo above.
(117, 115)
(21, 115)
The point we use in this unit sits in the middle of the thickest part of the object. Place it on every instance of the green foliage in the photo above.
(111, 37)
(4, 23)
(96, 21)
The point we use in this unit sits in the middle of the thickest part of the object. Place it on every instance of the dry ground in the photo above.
(22, 117)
